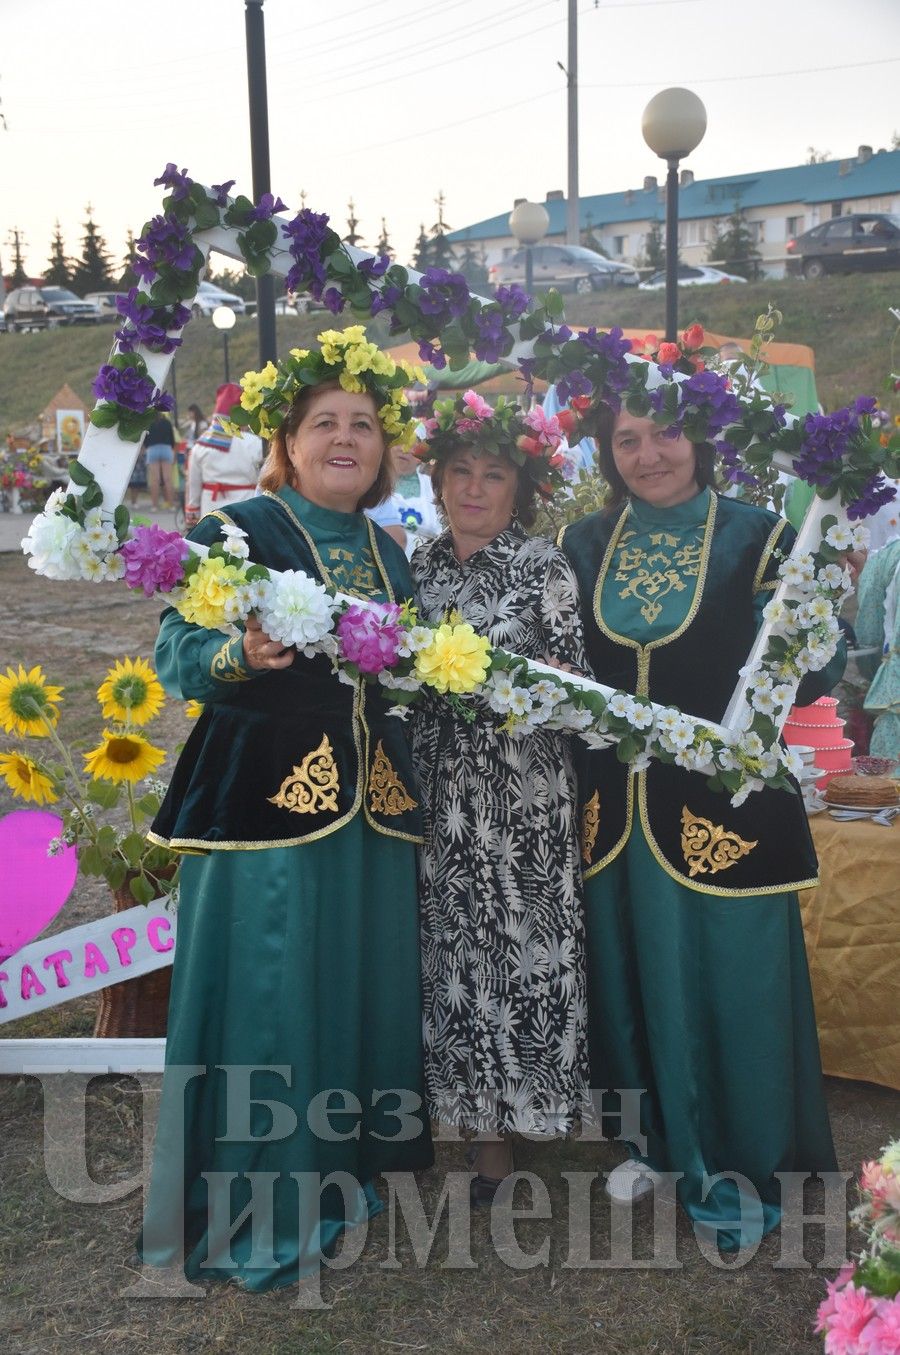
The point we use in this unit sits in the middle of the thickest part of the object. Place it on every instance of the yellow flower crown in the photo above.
(347, 356)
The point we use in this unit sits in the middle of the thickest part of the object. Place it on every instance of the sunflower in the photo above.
(27, 702)
(193, 710)
(122, 757)
(25, 779)
(130, 693)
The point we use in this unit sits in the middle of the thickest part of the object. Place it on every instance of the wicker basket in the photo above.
(137, 1008)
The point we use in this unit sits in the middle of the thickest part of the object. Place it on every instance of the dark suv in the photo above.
(864, 240)
(47, 308)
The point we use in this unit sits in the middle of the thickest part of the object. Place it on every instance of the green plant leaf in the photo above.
(142, 890)
(132, 847)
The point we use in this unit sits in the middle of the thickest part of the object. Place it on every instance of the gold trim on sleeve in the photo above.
(768, 549)
(387, 793)
(590, 824)
(313, 786)
(226, 666)
(710, 847)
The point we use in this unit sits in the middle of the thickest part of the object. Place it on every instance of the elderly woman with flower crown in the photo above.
(296, 806)
(698, 989)
(502, 930)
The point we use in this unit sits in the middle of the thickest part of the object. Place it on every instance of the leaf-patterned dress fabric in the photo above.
(502, 923)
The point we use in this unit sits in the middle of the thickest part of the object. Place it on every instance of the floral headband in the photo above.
(346, 356)
(531, 441)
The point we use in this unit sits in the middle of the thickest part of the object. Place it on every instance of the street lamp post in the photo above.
(223, 317)
(528, 222)
(673, 125)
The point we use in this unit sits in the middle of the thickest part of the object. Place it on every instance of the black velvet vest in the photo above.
(292, 755)
(763, 845)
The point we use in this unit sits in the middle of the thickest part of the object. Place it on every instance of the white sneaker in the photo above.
(631, 1181)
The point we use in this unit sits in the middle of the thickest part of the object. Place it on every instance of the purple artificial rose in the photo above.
(266, 208)
(165, 241)
(306, 233)
(370, 636)
(154, 559)
(374, 268)
(221, 191)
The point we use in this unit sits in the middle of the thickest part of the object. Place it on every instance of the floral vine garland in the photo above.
(840, 454)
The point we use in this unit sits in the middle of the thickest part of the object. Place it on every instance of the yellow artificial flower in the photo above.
(209, 592)
(381, 364)
(413, 371)
(130, 693)
(457, 659)
(299, 353)
(27, 702)
(25, 779)
(358, 358)
(122, 757)
(351, 383)
(193, 710)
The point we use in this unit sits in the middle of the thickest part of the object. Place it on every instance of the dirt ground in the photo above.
(65, 1265)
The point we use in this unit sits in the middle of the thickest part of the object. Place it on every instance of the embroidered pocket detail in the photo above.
(387, 793)
(311, 787)
(709, 847)
(590, 823)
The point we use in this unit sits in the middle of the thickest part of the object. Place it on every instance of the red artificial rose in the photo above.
(556, 460)
(693, 336)
(530, 446)
(668, 352)
(566, 420)
(581, 402)
(651, 343)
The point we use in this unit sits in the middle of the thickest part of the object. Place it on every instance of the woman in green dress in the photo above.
(698, 989)
(295, 997)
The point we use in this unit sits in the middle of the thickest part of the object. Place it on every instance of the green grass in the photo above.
(844, 319)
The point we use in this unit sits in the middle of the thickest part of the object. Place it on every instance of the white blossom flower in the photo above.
(520, 701)
(395, 682)
(774, 612)
(751, 745)
(621, 706)
(840, 536)
(574, 717)
(726, 760)
(401, 712)
(641, 716)
(832, 576)
(595, 739)
(792, 761)
(499, 693)
(235, 541)
(414, 639)
(667, 719)
(682, 734)
(760, 682)
(770, 763)
(783, 694)
(860, 536)
(796, 573)
(295, 609)
(763, 701)
(740, 795)
(50, 544)
(545, 690)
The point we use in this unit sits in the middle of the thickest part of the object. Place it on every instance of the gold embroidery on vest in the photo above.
(387, 793)
(709, 847)
(652, 575)
(311, 787)
(226, 667)
(590, 824)
(352, 572)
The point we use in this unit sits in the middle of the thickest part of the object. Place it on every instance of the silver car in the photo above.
(569, 268)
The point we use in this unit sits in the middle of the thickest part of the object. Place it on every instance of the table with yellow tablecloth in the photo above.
(852, 928)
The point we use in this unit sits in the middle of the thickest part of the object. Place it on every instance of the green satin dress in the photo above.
(302, 962)
(703, 1000)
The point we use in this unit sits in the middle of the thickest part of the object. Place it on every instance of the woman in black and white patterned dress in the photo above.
(502, 942)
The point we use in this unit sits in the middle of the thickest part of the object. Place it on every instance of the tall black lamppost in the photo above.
(223, 317)
(528, 222)
(673, 125)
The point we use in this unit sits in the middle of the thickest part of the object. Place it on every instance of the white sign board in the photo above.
(86, 959)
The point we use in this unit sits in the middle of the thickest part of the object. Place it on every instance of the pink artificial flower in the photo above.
(548, 429)
(881, 1336)
(480, 409)
(370, 636)
(154, 559)
(827, 1307)
(468, 425)
(430, 426)
(852, 1310)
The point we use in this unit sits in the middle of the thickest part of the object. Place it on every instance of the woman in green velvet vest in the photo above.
(698, 989)
(295, 997)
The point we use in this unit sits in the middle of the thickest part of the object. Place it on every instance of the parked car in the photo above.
(860, 240)
(691, 275)
(106, 304)
(569, 268)
(209, 297)
(47, 308)
(298, 305)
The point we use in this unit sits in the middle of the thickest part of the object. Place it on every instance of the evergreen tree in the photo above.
(128, 276)
(422, 255)
(352, 237)
(92, 272)
(440, 251)
(58, 272)
(18, 277)
(473, 269)
(732, 245)
(654, 248)
(384, 245)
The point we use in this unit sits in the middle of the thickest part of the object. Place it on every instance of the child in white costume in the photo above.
(222, 469)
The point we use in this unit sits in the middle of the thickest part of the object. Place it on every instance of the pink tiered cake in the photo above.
(817, 726)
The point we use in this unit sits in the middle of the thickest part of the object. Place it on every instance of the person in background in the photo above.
(223, 469)
(878, 627)
(159, 446)
(196, 425)
(413, 498)
(387, 516)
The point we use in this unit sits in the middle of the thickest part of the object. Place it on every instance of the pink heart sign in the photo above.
(33, 885)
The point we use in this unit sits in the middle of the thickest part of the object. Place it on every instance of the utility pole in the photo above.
(259, 156)
(572, 203)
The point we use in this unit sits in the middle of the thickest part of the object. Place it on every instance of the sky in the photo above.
(391, 103)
